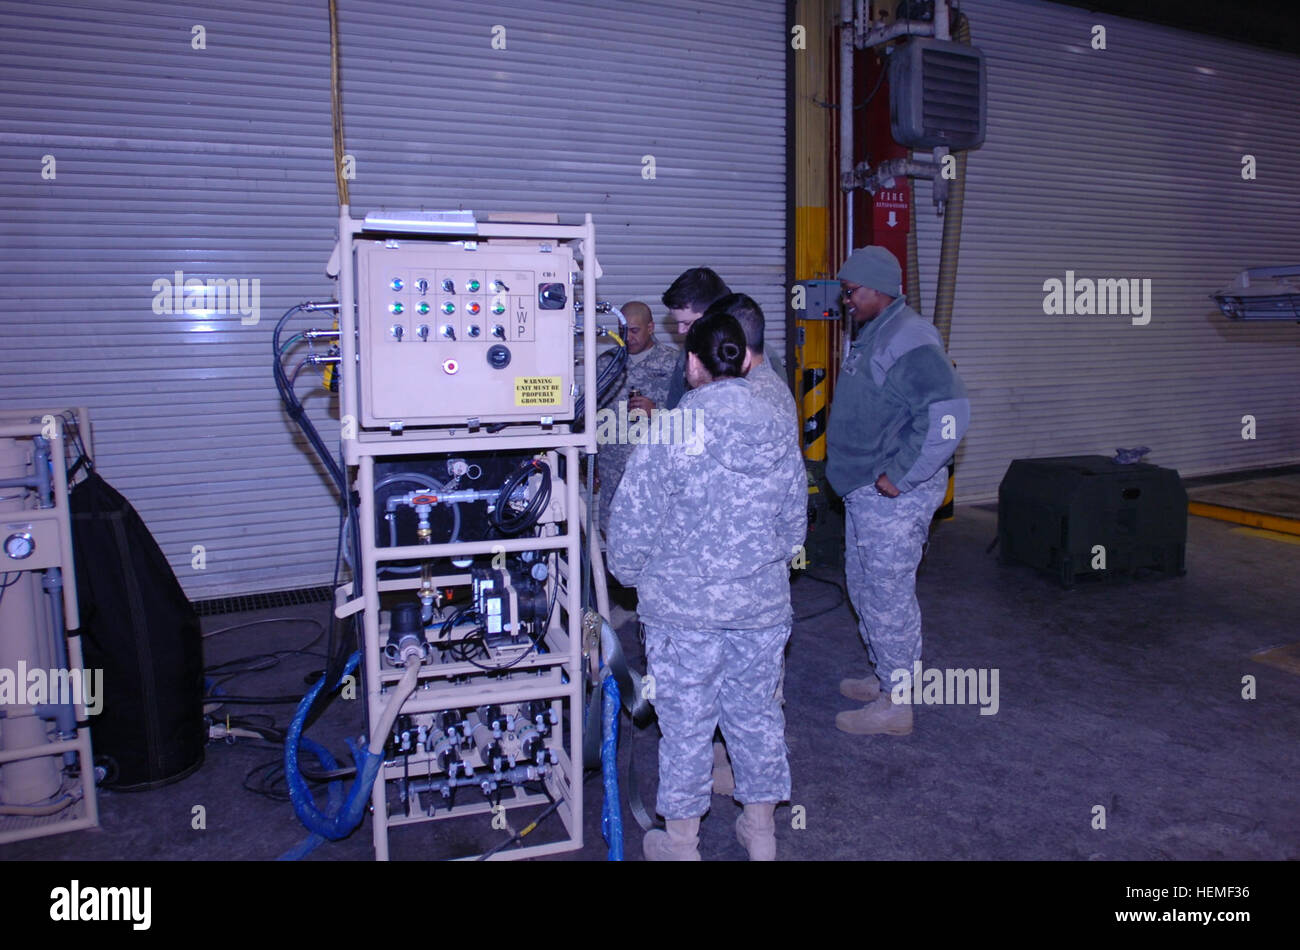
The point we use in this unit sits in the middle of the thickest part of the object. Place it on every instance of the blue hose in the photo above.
(314, 841)
(611, 810)
(344, 813)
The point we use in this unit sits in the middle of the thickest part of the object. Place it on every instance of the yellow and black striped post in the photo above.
(813, 354)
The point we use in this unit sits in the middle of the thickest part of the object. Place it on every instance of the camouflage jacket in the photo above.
(772, 388)
(705, 527)
(651, 375)
(900, 408)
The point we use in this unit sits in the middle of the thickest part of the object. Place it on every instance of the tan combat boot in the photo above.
(724, 783)
(756, 830)
(679, 843)
(865, 690)
(883, 717)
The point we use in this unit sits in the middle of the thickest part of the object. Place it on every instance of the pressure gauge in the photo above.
(19, 545)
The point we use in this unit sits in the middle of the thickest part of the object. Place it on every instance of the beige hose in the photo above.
(947, 283)
(336, 105)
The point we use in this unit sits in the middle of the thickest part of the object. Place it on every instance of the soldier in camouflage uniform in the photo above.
(705, 531)
(770, 386)
(760, 367)
(650, 366)
(900, 409)
(687, 298)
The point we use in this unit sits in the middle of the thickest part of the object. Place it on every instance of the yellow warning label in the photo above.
(538, 390)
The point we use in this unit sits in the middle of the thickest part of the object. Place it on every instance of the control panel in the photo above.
(450, 333)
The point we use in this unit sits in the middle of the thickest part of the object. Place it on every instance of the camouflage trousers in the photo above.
(883, 538)
(705, 679)
(611, 461)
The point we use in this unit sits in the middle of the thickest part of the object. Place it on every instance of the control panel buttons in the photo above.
(422, 331)
(448, 285)
(397, 331)
(421, 285)
(451, 367)
(498, 356)
(473, 330)
(472, 285)
(499, 331)
(499, 286)
(448, 307)
(473, 307)
(448, 331)
(396, 307)
(422, 307)
(396, 283)
(498, 308)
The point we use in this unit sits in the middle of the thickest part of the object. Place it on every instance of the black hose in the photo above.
(508, 523)
(337, 648)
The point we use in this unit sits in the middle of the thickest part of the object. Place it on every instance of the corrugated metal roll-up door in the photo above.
(217, 162)
(1122, 163)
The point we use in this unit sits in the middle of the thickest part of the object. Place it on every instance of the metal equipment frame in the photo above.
(457, 685)
(57, 520)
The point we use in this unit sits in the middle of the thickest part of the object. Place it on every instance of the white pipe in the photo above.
(941, 20)
(597, 564)
(883, 175)
(846, 116)
(892, 32)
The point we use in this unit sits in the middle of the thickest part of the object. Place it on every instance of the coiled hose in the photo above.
(344, 813)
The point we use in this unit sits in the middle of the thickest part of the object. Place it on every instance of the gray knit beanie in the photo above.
(874, 267)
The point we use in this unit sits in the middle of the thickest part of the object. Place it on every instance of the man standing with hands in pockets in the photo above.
(899, 411)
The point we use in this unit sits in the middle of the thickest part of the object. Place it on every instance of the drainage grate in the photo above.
(275, 598)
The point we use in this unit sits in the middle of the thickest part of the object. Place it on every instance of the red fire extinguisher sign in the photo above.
(889, 210)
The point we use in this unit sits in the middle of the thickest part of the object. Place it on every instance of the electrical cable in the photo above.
(518, 838)
(257, 662)
(838, 603)
(295, 408)
(6, 584)
(615, 362)
(78, 444)
(884, 68)
(527, 518)
(254, 623)
(337, 648)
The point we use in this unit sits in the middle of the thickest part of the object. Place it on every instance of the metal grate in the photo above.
(950, 97)
(277, 598)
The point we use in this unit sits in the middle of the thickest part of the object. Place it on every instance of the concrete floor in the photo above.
(1278, 496)
(1125, 695)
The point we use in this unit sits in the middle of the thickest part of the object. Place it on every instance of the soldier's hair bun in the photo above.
(718, 341)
